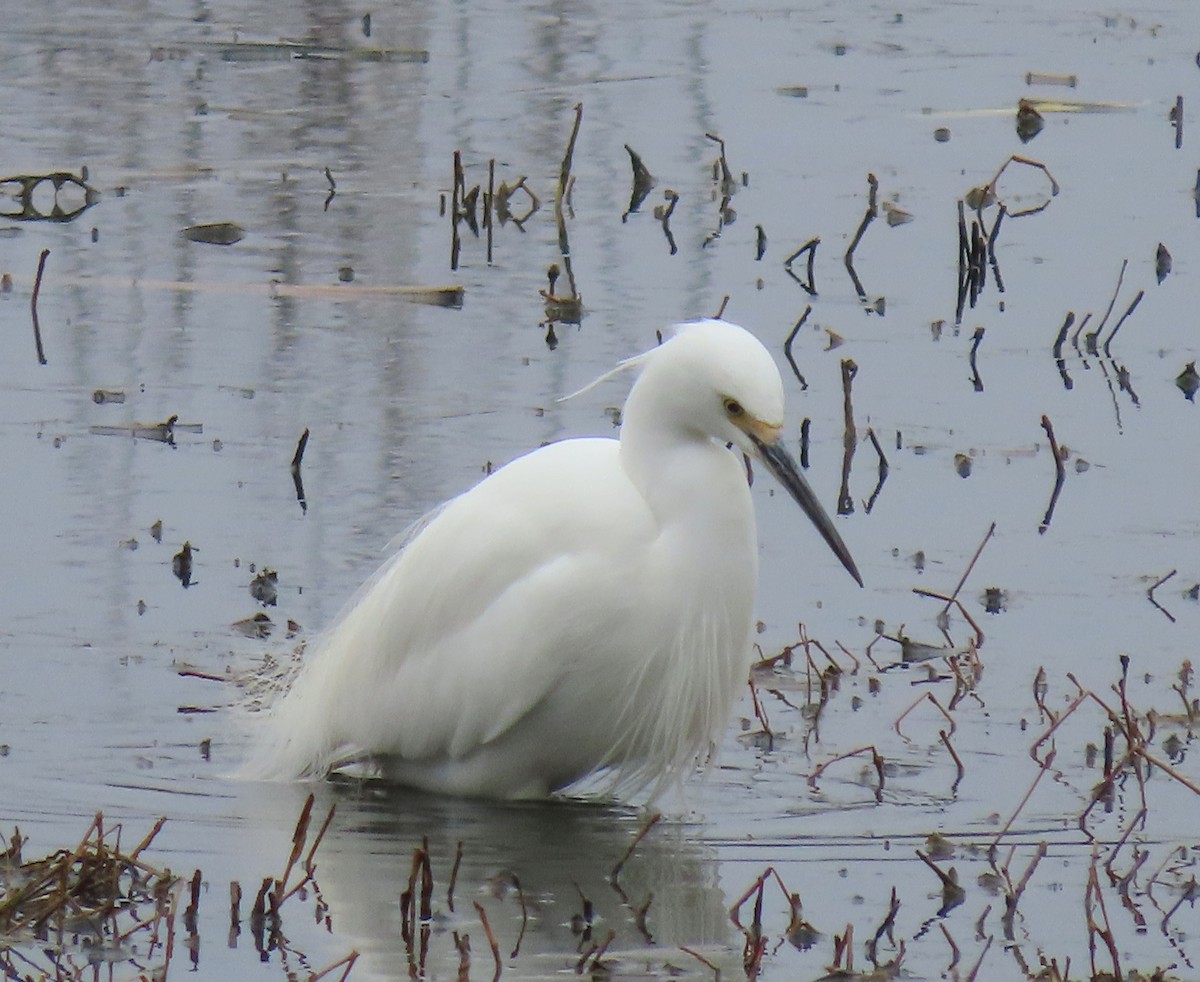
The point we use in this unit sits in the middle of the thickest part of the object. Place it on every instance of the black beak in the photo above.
(776, 457)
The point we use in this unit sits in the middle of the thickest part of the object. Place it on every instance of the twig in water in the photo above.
(37, 288)
(721, 310)
(1060, 475)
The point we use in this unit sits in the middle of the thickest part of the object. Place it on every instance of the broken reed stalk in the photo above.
(876, 759)
(1045, 766)
(1093, 894)
(703, 961)
(885, 927)
(883, 462)
(970, 565)
(1132, 307)
(933, 699)
(945, 738)
(458, 855)
(1112, 302)
(487, 929)
(345, 964)
(615, 873)
(954, 602)
(871, 213)
(1062, 333)
(299, 834)
(298, 457)
(849, 436)
(307, 865)
(787, 348)
(37, 289)
(976, 340)
(564, 174)
(1060, 475)
(971, 976)
(1150, 596)
(955, 954)
(756, 887)
(489, 206)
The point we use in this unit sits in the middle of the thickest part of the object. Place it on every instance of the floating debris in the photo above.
(643, 182)
(895, 215)
(78, 909)
(264, 587)
(1029, 121)
(1188, 381)
(110, 396)
(259, 626)
(181, 565)
(1162, 262)
(217, 233)
(1051, 78)
(243, 51)
(163, 432)
(27, 193)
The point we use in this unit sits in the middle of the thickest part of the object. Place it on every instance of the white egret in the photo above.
(586, 608)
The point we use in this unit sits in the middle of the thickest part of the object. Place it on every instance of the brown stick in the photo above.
(1059, 475)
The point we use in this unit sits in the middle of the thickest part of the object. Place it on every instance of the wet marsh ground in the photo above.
(329, 142)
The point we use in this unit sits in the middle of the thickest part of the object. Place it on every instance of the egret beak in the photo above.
(776, 457)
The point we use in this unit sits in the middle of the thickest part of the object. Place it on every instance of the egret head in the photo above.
(720, 381)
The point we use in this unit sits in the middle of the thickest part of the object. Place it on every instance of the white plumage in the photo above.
(586, 608)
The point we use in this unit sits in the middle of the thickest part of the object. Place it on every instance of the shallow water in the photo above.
(408, 402)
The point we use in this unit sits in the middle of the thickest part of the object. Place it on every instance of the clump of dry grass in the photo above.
(90, 905)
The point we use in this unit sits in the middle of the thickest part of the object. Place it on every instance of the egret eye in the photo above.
(734, 408)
